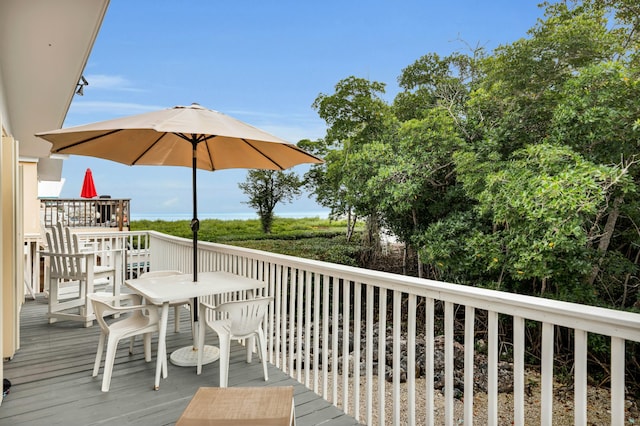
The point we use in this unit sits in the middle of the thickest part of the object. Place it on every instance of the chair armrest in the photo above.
(206, 305)
(152, 310)
(136, 299)
(131, 308)
(101, 251)
(67, 255)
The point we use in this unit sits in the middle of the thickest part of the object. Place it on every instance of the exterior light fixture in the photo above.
(80, 86)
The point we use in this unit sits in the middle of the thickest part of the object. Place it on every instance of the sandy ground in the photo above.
(598, 410)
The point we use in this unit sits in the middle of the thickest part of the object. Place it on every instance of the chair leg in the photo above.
(96, 364)
(164, 366)
(147, 347)
(88, 306)
(262, 350)
(53, 298)
(249, 343)
(225, 345)
(112, 345)
(176, 318)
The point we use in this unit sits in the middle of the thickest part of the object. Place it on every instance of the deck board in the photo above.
(52, 383)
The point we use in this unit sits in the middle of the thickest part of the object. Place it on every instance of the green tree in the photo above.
(516, 169)
(267, 188)
(514, 103)
(413, 181)
(598, 118)
(435, 82)
(572, 84)
(417, 187)
(355, 115)
(542, 203)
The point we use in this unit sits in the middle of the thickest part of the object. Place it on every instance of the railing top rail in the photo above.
(87, 233)
(599, 320)
(62, 200)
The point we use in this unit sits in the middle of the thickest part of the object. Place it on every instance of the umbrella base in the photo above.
(188, 356)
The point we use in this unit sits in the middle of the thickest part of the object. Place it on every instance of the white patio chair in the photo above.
(176, 303)
(142, 319)
(241, 320)
(74, 273)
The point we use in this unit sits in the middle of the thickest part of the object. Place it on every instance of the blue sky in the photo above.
(263, 62)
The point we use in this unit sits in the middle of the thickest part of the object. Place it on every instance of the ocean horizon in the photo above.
(170, 217)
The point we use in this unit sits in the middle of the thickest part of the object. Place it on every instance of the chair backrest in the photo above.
(56, 262)
(60, 238)
(59, 241)
(245, 316)
(77, 264)
(163, 273)
(55, 244)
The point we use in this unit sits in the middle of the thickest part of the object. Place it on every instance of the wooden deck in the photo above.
(52, 383)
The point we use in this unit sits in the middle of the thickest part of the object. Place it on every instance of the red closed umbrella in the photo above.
(88, 187)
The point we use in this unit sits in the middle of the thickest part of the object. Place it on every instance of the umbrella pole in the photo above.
(195, 225)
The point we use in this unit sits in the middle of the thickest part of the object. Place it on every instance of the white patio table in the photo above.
(162, 290)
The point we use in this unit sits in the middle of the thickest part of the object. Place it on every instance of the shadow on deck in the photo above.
(52, 383)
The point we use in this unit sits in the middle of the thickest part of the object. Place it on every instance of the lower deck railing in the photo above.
(359, 338)
(86, 213)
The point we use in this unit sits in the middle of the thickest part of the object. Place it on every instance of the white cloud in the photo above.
(106, 108)
(291, 127)
(171, 202)
(294, 132)
(110, 82)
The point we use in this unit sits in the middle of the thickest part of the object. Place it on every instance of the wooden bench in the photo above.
(268, 406)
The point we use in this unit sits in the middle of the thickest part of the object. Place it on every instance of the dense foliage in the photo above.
(514, 169)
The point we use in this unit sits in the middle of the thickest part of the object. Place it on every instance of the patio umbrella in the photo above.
(88, 187)
(190, 136)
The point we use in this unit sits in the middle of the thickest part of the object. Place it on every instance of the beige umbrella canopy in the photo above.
(190, 136)
(158, 138)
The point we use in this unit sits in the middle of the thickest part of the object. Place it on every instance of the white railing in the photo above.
(311, 296)
(319, 305)
(134, 246)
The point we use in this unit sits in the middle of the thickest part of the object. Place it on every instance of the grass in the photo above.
(311, 238)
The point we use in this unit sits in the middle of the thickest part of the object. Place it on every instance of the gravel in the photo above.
(598, 405)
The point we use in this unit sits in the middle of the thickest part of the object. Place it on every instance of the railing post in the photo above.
(518, 371)
(580, 377)
(449, 359)
(546, 399)
(469, 352)
(617, 381)
(429, 358)
(492, 374)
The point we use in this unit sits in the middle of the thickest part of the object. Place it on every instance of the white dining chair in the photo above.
(176, 304)
(240, 320)
(142, 319)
